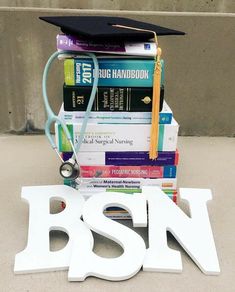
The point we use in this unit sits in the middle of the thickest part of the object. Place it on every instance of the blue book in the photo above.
(112, 72)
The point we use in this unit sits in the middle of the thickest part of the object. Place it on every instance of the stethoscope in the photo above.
(69, 169)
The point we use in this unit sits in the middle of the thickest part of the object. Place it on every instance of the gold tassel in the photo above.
(153, 154)
(153, 149)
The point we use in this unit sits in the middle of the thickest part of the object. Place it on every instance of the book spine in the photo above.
(114, 99)
(126, 216)
(125, 158)
(136, 158)
(118, 137)
(119, 213)
(70, 117)
(73, 43)
(128, 171)
(171, 193)
(172, 196)
(127, 183)
(112, 72)
(123, 118)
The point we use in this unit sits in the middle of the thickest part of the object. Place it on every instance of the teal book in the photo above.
(123, 72)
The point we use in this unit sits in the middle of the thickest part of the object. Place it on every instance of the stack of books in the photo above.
(114, 155)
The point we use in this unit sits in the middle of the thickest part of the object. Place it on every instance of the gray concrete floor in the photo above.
(204, 163)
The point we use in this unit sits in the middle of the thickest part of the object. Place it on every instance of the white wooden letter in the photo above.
(84, 262)
(37, 256)
(193, 233)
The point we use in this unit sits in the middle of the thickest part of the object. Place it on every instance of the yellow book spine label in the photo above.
(69, 77)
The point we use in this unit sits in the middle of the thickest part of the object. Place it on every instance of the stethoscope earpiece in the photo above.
(70, 169)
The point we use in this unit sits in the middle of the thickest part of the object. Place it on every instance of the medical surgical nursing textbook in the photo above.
(118, 137)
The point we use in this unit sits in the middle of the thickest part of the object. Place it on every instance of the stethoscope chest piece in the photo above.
(70, 169)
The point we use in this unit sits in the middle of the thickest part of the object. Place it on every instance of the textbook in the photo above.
(117, 137)
(125, 183)
(116, 72)
(122, 158)
(116, 212)
(114, 99)
(74, 43)
(165, 116)
(104, 171)
(119, 213)
(87, 193)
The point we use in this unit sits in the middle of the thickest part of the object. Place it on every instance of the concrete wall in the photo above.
(199, 68)
(151, 5)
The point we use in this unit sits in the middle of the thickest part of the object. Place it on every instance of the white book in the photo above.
(89, 186)
(117, 137)
(165, 116)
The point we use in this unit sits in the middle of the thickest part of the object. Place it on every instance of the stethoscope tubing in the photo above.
(51, 117)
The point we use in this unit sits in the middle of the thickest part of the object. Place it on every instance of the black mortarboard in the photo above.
(103, 27)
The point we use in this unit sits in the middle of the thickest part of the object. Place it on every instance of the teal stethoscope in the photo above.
(69, 169)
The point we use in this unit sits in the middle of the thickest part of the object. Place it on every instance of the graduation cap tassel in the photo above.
(155, 106)
(153, 154)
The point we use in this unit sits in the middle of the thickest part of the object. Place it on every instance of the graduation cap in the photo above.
(106, 28)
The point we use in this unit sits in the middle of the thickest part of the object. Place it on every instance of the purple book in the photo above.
(129, 158)
(73, 43)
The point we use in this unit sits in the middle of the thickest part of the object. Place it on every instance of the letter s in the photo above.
(84, 262)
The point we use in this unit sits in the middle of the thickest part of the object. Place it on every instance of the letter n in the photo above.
(193, 233)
